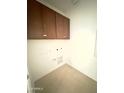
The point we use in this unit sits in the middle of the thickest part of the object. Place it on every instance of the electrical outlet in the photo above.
(54, 59)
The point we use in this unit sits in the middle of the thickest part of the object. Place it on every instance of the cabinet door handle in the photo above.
(44, 35)
(64, 36)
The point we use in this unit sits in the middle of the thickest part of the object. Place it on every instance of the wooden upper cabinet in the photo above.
(34, 20)
(44, 23)
(62, 27)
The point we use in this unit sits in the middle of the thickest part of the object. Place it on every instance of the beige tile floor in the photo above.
(66, 80)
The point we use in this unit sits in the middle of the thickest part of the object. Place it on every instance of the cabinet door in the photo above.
(62, 27)
(34, 20)
(49, 23)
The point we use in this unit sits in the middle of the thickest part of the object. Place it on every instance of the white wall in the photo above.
(83, 35)
(44, 58)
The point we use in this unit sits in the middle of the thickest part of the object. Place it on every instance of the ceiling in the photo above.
(62, 5)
